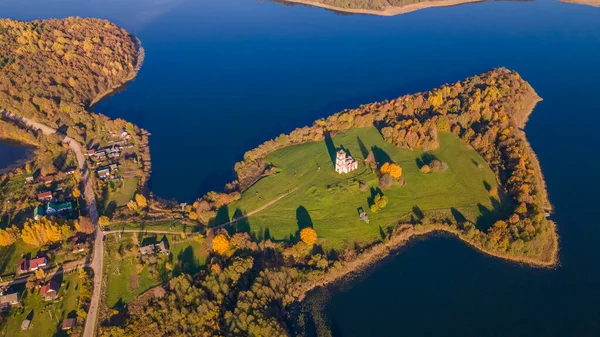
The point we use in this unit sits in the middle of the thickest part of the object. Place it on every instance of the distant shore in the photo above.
(593, 3)
(390, 11)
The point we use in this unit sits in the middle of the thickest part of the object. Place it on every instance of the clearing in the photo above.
(330, 202)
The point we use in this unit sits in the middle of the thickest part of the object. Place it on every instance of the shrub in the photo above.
(425, 169)
(386, 181)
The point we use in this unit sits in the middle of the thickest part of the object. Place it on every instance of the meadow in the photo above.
(331, 202)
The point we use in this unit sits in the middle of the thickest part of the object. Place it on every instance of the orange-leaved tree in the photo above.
(308, 236)
(220, 244)
(392, 169)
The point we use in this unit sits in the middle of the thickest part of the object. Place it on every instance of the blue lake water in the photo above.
(222, 76)
(11, 154)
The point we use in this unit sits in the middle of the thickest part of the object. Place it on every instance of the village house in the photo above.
(90, 152)
(70, 171)
(47, 179)
(163, 247)
(29, 180)
(52, 208)
(38, 263)
(147, 250)
(79, 247)
(8, 301)
(45, 196)
(25, 265)
(68, 324)
(124, 134)
(49, 291)
(344, 163)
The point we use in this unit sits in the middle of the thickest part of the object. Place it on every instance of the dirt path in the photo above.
(140, 231)
(234, 220)
(65, 268)
(90, 201)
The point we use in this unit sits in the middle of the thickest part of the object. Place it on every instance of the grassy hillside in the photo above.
(330, 201)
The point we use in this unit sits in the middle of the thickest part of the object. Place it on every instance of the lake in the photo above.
(222, 76)
(13, 154)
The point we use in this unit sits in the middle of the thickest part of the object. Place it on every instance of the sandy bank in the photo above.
(390, 11)
(593, 3)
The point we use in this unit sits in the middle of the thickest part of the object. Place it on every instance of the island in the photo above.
(378, 7)
(88, 249)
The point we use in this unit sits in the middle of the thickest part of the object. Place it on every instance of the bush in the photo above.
(386, 181)
(425, 169)
(438, 166)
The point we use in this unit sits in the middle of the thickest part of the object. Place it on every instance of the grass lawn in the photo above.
(126, 282)
(171, 226)
(47, 316)
(330, 201)
(124, 193)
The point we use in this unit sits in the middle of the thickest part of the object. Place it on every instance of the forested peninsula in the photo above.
(253, 280)
(307, 208)
(378, 7)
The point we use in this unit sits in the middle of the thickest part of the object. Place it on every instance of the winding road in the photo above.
(88, 193)
(90, 201)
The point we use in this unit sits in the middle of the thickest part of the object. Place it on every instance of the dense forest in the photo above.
(250, 285)
(52, 70)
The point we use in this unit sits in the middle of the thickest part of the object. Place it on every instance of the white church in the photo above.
(344, 163)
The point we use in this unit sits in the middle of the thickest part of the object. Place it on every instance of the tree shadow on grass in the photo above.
(500, 210)
(186, 263)
(380, 155)
(303, 220)
(375, 191)
(425, 159)
(222, 216)
(240, 226)
(330, 147)
(363, 149)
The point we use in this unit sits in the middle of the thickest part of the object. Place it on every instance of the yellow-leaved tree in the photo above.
(308, 236)
(392, 169)
(141, 201)
(40, 232)
(8, 236)
(220, 244)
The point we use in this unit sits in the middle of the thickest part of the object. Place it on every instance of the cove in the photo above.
(221, 77)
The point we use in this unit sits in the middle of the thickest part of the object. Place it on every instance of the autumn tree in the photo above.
(220, 244)
(308, 236)
(40, 232)
(103, 221)
(141, 201)
(386, 181)
(392, 169)
(8, 236)
(76, 193)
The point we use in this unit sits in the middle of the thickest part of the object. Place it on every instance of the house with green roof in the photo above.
(52, 208)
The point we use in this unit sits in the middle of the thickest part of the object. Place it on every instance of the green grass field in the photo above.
(171, 226)
(47, 316)
(125, 283)
(330, 201)
(124, 193)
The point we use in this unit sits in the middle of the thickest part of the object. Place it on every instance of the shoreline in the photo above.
(390, 11)
(141, 54)
(378, 253)
(593, 3)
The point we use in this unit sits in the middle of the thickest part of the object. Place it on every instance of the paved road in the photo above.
(90, 200)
